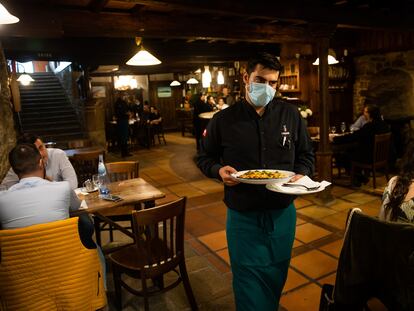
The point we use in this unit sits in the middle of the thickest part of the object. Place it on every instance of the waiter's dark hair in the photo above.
(403, 183)
(374, 112)
(24, 159)
(267, 60)
(27, 138)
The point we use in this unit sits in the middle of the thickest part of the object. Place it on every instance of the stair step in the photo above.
(52, 129)
(39, 90)
(36, 101)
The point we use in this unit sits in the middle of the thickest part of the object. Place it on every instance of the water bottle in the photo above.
(103, 178)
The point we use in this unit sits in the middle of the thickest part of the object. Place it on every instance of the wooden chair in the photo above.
(85, 165)
(158, 131)
(46, 267)
(158, 249)
(117, 171)
(380, 157)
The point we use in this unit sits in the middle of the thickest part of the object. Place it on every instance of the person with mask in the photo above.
(258, 132)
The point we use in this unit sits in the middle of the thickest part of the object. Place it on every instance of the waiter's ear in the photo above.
(246, 78)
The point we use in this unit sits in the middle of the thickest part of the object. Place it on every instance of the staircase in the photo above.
(47, 111)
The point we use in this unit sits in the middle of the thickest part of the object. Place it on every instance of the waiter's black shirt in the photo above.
(239, 137)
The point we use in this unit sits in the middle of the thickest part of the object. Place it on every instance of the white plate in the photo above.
(263, 181)
(83, 189)
(291, 190)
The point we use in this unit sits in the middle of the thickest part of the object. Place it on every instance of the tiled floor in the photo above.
(319, 232)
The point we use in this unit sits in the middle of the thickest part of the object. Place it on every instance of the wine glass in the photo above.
(333, 129)
(343, 127)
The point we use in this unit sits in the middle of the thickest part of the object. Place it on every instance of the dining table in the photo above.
(132, 192)
(70, 153)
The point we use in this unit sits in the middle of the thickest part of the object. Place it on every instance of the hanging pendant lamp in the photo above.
(25, 79)
(175, 83)
(6, 17)
(142, 57)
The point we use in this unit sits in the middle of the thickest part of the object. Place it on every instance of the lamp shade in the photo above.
(25, 79)
(143, 58)
(192, 81)
(6, 17)
(175, 83)
(331, 61)
(220, 77)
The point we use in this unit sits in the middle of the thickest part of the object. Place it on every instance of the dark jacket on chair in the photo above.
(377, 260)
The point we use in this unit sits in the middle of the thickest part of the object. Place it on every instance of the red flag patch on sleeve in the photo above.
(205, 133)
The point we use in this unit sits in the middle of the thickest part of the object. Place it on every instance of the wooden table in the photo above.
(207, 115)
(132, 191)
(72, 152)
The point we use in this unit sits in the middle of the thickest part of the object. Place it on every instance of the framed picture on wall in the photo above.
(98, 91)
(163, 91)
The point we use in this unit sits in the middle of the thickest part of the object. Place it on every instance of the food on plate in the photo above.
(262, 175)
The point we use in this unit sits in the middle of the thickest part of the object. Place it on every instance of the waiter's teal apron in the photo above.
(260, 245)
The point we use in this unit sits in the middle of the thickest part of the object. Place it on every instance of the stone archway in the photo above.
(392, 91)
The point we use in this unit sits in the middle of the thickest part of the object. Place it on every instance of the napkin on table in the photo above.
(83, 205)
(81, 191)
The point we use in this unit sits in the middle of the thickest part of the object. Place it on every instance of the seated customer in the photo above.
(34, 199)
(58, 167)
(155, 116)
(363, 147)
(398, 198)
(361, 121)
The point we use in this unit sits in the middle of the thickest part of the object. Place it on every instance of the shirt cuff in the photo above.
(214, 171)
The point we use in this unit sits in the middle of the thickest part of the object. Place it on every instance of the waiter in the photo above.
(258, 132)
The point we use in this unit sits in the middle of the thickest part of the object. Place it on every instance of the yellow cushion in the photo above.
(46, 267)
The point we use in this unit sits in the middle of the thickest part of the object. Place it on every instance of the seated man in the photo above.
(34, 199)
(58, 167)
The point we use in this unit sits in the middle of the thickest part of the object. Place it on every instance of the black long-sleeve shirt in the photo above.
(239, 137)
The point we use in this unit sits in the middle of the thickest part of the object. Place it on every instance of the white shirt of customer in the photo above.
(58, 168)
(35, 201)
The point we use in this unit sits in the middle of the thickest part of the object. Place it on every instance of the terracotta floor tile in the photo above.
(215, 209)
(308, 232)
(206, 226)
(359, 197)
(214, 241)
(185, 189)
(341, 205)
(303, 299)
(218, 263)
(314, 264)
(316, 211)
(330, 279)
(374, 203)
(194, 216)
(294, 280)
(300, 202)
(333, 248)
(368, 210)
(198, 246)
(205, 199)
(337, 220)
(224, 254)
(297, 243)
(339, 191)
(300, 221)
(208, 185)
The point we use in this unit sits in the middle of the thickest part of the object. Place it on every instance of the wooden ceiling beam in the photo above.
(55, 23)
(294, 11)
(97, 5)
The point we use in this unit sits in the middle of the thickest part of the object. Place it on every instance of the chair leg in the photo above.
(118, 288)
(187, 286)
(145, 293)
(111, 233)
(373, 178)
(97, 225)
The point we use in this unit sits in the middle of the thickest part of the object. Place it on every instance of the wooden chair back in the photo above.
(79, 143)
(118, 171)
(85, 165)
(159, 235)
(381, 149)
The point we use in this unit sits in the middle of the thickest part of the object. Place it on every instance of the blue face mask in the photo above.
(260, 94)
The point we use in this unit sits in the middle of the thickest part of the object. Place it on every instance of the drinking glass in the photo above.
(96, 180)
(333, 129)
(343, 127)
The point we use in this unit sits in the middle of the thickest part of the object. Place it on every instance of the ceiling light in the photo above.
(175, 83)
(198, 70)
(331, 61)
(192, 81)
(6, 17)
(143, 57)
(25, 79)
(220, 77)
(206, 77)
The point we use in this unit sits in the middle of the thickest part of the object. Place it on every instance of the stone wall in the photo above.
(386, 80)
(7, 131)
